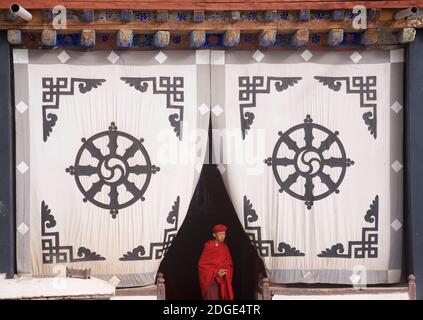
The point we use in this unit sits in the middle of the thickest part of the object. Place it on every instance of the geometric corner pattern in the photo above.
(265, 248)
(52, 251)
(367, 244)
(157, 250)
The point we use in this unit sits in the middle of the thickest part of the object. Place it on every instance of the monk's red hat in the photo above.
(219, 228)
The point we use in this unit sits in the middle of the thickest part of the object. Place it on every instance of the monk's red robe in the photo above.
(212, 259)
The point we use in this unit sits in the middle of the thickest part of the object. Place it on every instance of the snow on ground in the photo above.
(33, 288)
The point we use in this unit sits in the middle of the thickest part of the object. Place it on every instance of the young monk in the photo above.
(215, 267)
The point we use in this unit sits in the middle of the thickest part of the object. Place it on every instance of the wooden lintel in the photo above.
(197, 39)
(370, 37)
(161, 39)
(267, 38)
(338, 15)
(335, 37)
(231, 38)
(406, 35)
(374, 14)
(304, 15)
(88, 16)
(87, 38)
(270, 15)
(223, 5)
(300, 38)
(124, 38)
(14, 37)
(235, 16)
(314, 25)
(162, 16)
(199, 16)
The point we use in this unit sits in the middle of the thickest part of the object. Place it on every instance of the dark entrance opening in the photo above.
(210, 205)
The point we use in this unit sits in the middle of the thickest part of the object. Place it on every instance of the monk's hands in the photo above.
(222, 272)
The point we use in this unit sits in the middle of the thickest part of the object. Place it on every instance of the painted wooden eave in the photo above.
(125, 22)
(221, 5)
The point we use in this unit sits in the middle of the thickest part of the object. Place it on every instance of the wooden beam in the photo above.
(108, 41)
(197, 39)
(304, 15)
(162, 16)
(300, 38)
(14, 37)
(161, 288)
(161, 39)
(270, 15)
(335, 37)
(267, 38)
(412, 287)
(49, 37)
(406, 35)
(225, 5)
(370, 37)
(38, 24)
(124, 38)
(47, 15)
(11, 16)
(338, 15)
(374, 14)
(126, 15)
(88, 16)
(231, 38)
(199, 16)
(416, 22)
(235, 16)
(88, 38)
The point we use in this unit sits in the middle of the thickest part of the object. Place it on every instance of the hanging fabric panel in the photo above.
(109, 147)
(309, 145)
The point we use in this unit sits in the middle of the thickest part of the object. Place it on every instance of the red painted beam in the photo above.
(211, 4)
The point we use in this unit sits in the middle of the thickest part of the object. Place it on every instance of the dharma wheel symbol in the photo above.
(112, 170)
(323, 165)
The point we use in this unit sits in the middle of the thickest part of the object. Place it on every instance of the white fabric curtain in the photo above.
(309, 145)
(110, 147)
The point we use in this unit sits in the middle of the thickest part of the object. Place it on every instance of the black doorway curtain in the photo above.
(210, 205)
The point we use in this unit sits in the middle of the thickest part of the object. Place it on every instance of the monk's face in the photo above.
(219, 236)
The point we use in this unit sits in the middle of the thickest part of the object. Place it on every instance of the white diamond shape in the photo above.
(397, 55)
(21, 107)
(113, 57)
(306, 55)
(217, 57)
(397, 166)
(22, 167)
(20, 56)
(221, 168)
(160, 57)
(23, 228)
(202, 56)
(258, 55)
(396, 107)
(63, 56)
(396, 225)
(355, 57)
(203, 109)
(354, 278)
(114, 280)
(217, 110)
